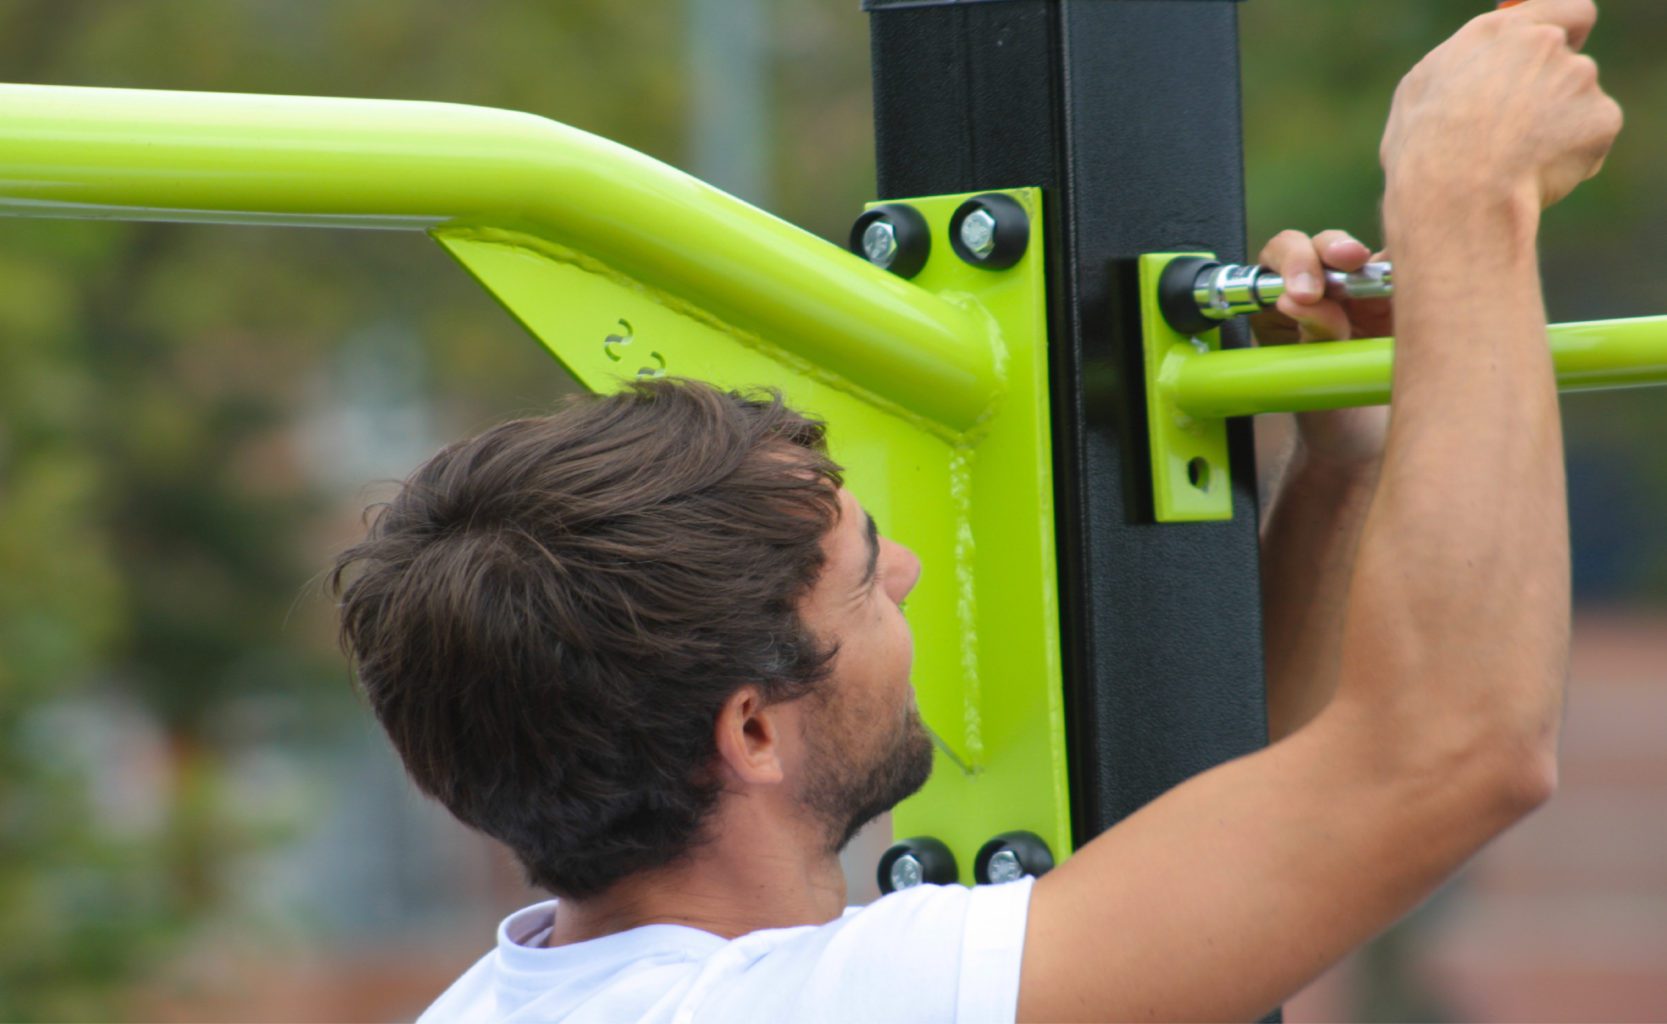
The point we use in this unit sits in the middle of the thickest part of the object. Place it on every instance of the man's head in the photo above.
(866, 747)
(567, 624)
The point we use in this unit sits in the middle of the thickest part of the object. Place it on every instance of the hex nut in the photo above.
(1011, 856)
(990, 231)
(879, 243)
(910, 236)
(978, 233)
(921, 860)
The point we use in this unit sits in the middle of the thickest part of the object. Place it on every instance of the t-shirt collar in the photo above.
(521, 938)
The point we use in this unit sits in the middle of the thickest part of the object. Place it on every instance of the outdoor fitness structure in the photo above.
(1009, 398)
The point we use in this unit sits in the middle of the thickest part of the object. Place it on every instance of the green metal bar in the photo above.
(134, 154)
(1335, 375)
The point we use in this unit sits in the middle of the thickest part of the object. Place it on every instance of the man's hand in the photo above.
(1340, 439)
(1508, 103)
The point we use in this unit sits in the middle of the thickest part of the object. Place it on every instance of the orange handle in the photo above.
(1510, 3)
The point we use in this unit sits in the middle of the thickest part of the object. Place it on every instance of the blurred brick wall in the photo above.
(1565, 917)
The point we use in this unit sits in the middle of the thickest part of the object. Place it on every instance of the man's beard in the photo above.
(845, 795)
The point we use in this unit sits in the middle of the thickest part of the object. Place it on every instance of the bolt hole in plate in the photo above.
(1198, 474)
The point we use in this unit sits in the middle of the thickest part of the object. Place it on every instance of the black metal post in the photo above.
(1127, 114)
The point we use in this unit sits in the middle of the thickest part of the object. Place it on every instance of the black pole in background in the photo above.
(1126, 112)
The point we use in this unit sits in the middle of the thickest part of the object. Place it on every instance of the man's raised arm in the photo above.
(1227, 894)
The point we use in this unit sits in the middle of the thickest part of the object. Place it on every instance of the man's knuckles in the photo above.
(1286, 245)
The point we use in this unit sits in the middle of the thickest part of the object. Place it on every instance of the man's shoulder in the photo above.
(916, 954)
(940, 953)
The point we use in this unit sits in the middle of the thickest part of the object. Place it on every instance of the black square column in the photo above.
(1127, 114)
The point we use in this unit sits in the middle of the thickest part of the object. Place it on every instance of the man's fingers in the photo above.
(1325, 320)
(1341, 250)
(1302, 262)
(1291, 254)
(1574, 17)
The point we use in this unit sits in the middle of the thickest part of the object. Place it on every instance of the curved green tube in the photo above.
(135, 154)
(1336, 375)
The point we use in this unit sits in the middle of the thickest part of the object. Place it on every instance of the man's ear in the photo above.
(749, 735)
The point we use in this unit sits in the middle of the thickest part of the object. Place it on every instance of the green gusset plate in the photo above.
(975, 504)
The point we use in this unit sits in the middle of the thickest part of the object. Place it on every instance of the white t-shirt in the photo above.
(930, 953)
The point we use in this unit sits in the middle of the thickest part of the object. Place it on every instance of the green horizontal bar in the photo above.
(135, 154)
(1340, 374)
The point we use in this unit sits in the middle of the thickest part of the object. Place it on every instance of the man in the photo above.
(653, 646)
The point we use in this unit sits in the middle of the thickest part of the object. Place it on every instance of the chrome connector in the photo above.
(1198, 294)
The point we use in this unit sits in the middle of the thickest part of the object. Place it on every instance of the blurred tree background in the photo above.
(1317, 84)
(190, 416)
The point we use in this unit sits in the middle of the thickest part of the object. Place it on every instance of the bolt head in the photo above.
(906, 872)
(1005, 867)
(879, 243)
(978, 233)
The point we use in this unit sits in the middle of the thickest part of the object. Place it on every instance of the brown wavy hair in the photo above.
(549, 616)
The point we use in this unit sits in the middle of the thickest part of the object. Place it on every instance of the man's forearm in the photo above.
(1459, 607)
(1309, 540)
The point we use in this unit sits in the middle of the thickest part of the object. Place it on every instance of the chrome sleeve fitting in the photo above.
(1231, 289)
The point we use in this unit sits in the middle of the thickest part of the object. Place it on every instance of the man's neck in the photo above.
(741, 883)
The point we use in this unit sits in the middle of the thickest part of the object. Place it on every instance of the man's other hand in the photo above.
(1342, 438)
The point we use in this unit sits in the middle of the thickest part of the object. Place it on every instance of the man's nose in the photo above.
(906, 570)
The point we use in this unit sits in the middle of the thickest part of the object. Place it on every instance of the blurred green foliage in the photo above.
(159, 524)
(1318, 79)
